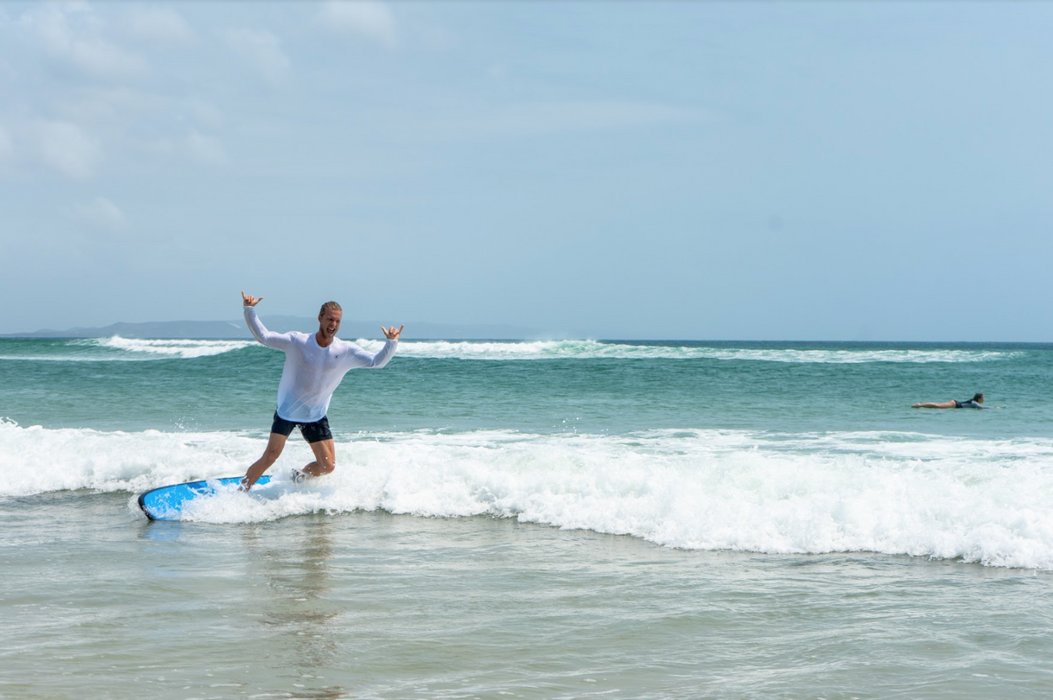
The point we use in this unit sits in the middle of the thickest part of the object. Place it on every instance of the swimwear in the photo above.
(312, 432)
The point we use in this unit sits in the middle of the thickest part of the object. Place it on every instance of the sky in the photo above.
(603, 169)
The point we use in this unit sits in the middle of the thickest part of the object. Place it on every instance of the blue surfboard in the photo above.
(167, 502)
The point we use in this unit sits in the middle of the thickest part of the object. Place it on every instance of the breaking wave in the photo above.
(976, 500)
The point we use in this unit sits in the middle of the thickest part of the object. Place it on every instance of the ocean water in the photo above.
(550, 519)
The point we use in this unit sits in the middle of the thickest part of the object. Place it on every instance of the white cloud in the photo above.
(261, 50)
(158, 25)
(71, 35)
(206, 149)
(365, 18)
(68, 149)
(103, 214)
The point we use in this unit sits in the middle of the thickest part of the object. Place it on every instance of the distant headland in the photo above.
(281, 324)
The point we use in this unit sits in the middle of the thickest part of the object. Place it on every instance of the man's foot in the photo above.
(298, 477)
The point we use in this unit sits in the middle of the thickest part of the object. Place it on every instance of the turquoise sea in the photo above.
(536, 519)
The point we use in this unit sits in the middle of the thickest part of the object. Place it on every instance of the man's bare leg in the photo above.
(324, 459)
(929, 404)
(275, 445)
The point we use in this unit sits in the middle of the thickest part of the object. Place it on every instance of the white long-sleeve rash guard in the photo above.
(312, 373)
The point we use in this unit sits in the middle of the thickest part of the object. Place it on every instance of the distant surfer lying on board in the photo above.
(974, 402)
(314, 366)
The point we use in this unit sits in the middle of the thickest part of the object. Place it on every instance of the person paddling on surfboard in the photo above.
(974, 402)
(314, 366)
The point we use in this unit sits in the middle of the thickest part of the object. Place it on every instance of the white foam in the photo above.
(117, 349)
(170, 348)
(37, 460)
(983, 501)
(856, 356)
(591, 349)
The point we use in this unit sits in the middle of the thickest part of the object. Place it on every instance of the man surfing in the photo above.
(314, 366)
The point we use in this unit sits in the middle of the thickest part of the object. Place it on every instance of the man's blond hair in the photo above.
(329, 306)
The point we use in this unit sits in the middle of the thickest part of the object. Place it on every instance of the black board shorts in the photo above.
(312, 432)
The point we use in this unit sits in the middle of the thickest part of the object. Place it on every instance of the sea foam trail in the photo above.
(132, 349)
(977, 500)
(169, 348)
(591, 349)
(118, 349)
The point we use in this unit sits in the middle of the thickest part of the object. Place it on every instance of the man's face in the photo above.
(329, 323)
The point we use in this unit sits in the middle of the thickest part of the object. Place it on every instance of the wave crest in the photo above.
(592, 349)
(171, 348)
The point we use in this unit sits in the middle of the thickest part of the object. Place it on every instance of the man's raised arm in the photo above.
(256, 327)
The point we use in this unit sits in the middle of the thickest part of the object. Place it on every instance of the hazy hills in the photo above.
(236, 329)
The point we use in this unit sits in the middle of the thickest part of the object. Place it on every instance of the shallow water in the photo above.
(373, 605)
